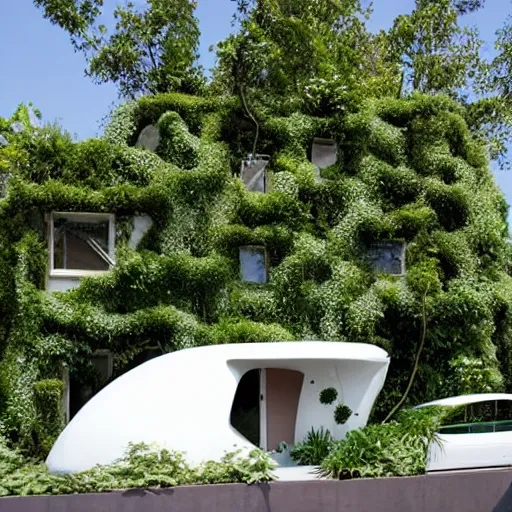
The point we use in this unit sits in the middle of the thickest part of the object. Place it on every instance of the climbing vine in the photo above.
(408, 171)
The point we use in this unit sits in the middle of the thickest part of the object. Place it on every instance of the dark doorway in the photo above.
(142, 357)
(82, 390)
(245, 412)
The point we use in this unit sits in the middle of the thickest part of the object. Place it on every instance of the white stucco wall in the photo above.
(182, 401)
(61, 284)
(141, 225)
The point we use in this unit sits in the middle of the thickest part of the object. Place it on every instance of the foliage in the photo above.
(48, 402)
(398, 448)
(314, 449)
(328, 396)
(409, 170)
(342, 413)
(471, 375)
(312, 55)
(181, 148)
(437, 53)
(142, 466)
(150, 50)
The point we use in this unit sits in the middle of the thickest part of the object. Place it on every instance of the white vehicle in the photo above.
(479, 435)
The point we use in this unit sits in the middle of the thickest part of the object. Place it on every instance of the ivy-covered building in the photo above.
(380, 225)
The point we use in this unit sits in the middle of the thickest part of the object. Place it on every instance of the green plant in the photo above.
(398, 448)
(142, 466)
(328, 396)
(342, 413)
(314, 449)
(49, 415)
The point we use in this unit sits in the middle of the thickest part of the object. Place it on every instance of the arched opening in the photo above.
(245, 412)
(265, 406)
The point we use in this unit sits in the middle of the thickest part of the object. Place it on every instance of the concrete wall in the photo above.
(462, 492)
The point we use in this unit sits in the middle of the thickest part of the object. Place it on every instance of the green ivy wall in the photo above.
(408, 170)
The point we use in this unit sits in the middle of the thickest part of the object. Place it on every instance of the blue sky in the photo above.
(38, 64)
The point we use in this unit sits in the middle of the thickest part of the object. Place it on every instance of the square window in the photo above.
(253, 264)
(388, 257)
(253, 174)
(324, 153)
(81, 243)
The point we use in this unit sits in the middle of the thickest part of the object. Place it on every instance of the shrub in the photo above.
(398, 448)
(328, 396)
(342, 413)
(244, 331)
(50, 421)
(142, 466)
(177, 145)
(314, 449)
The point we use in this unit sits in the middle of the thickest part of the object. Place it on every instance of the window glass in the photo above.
(253, 264)
(388, 257)
(324, 153)
(253, 175)
(481, 412)
(80, 245)
(481, 417)
(504, 410)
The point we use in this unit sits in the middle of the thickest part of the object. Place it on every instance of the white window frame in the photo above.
(81, 217)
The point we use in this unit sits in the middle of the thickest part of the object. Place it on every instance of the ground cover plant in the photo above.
(143, 466)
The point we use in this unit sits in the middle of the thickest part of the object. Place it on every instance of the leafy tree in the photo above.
(491, 116)
(313, 55)
(437, 54)
(150, 50)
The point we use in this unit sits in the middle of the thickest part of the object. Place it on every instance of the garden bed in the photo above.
(477, 491)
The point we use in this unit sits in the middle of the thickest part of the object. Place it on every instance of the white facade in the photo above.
(475, 449)
(141, 225)
(182, 401)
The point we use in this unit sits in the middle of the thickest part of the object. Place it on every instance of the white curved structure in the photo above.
(182, 400)
(480, 442)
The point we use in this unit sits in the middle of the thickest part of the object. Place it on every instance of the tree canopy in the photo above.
(150, 50)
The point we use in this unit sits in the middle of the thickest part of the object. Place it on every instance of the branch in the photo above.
(253, 119)
(417, 359)
(151, 56)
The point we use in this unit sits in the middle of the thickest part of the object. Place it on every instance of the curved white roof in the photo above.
(467, 399)
(290, 350)
(182, 400)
